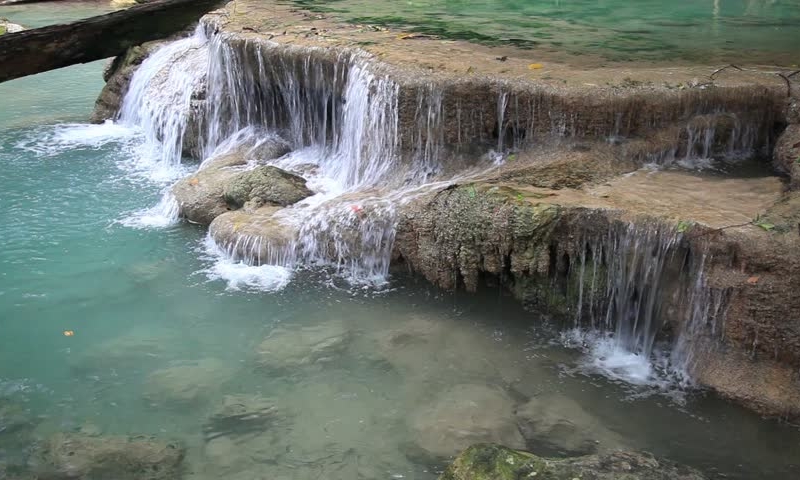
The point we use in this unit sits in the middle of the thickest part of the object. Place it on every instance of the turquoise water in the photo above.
(752, 31)
(160, 329)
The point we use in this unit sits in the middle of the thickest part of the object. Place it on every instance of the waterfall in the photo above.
(628, 283)
(159, 99)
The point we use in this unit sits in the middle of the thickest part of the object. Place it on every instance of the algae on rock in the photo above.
(495, 462)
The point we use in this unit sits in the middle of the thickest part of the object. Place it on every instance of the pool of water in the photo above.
(113, 329)
(752, 31)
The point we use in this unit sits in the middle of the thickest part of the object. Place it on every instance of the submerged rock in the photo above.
(186, 382)
(495, 462)
(239, 415)
(787, 154)
(265, 185)
(13, 418)
(303, 346)
(464, 415)
(73, 456)
(559, 426)
(242, 430)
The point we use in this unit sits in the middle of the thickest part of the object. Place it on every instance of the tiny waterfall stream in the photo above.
(166, 325)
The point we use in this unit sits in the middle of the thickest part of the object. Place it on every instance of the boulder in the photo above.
(242, 429)
(222, 183)
(74, 456)
(239, 415)
(496, 462)
(14, 418)
(285, 348)
(265, 185)
(260, 235)
(464, 415)
(185, 383)
(786, 157)
(128, 351)
(200, 195)
(559, 426)
(427, 348)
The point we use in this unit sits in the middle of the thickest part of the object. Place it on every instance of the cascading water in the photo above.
(628, 284)
(159, 100)
(341, 117)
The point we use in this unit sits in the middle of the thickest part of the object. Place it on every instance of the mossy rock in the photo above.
(266, 185)
(495, 462)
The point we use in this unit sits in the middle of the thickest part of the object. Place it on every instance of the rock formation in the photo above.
(67, 456)
(494, 462)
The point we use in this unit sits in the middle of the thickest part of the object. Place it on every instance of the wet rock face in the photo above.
(265, 185)
(74, 456)
(200, 196)
(223, 183)
(463, 415)
(495, 462)
(786, 157)
(256, 235)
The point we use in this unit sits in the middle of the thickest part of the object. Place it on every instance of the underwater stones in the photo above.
(13, 418)
(239, 415)
(74, 456)
(241, 430)
(126, 351)
(463, 415)
(292, 348)
(559, 426)
(424, 349)
(786, 157)
(185, 383)
(496, 462)
(265, 185)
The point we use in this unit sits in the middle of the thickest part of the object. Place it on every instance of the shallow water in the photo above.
(128, 330)
(753, 31)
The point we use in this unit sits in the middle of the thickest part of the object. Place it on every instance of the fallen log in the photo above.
(56, 46)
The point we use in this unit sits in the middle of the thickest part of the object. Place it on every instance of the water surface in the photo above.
(752, 31)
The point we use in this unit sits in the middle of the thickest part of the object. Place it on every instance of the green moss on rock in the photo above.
(266, 185)
(495, 462)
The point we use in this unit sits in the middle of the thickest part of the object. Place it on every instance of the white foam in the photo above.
(603, 355)
(239, 275)
(162, 215)
(56, 139)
